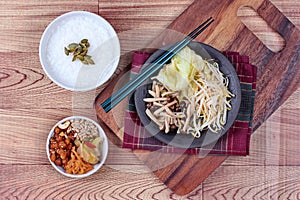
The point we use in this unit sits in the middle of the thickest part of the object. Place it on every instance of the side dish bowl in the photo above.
(70, 28)
(104, 147)
(207, 137)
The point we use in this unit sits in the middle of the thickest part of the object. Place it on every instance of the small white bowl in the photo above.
(72, 27)
(96, 166)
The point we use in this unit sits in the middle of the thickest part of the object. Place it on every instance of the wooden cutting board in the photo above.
(277, 78)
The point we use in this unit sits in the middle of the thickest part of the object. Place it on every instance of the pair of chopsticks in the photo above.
(128, 88)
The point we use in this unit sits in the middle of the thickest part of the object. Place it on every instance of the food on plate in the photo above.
(89, 150)
(76, 146)
(79, 52)
(189, 95)
(76, 165)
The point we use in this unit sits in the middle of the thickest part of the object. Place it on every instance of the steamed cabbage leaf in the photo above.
(178, 75)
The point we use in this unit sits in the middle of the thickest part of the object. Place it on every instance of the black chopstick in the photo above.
(158, 60)
(112, 101)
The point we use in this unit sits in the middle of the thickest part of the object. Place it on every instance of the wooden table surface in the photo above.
(31, 104)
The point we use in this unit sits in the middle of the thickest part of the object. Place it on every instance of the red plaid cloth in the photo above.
(235, 142)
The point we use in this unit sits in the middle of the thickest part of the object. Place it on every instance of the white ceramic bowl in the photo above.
(72, 27)
(104, 148)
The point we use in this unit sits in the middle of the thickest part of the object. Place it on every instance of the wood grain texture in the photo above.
(24, 84)
(265, 182)
(30, 104)
(107, 183)
(29, 20)
(127, 14)
(275, 142)
(290, 9)
(23, 22)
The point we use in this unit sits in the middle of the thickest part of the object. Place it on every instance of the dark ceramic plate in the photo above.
(207, 137)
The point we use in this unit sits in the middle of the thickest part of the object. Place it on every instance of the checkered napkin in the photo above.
(235, 142)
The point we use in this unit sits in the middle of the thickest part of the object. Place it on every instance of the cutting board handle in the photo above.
(274, 66)
(261, 29)
(273, 17)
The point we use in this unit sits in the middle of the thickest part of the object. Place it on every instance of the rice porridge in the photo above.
(104, 50)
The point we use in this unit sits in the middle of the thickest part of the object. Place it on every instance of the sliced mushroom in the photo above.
(153, 118)
(171, 120)
(153, 85)
(167, 125)
(152, 93)
(157, 90)
(154, 99)
(165, 108)
(157, 104)
(158, 111)
(170, 112)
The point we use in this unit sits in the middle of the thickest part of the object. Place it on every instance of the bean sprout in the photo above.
(190, 92)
